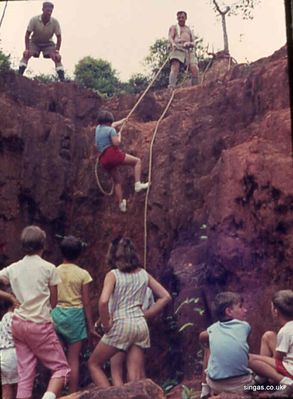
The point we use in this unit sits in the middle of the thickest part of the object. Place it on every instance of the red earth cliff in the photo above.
(220, 204)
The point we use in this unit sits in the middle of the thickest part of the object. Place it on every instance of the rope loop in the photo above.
(106, 192)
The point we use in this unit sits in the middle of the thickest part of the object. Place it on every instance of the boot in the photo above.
(21, 69)
(60, 74)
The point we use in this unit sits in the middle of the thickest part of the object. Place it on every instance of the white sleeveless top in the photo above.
(129, 294)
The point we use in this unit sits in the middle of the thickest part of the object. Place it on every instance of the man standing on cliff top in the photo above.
(181, 39)
(43, 27)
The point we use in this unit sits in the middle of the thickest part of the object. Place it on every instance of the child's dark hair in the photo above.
(283, 302)
(181, 12)
(122, 249)
(223, 301)
(32, 239)
(71, 247)
(105, 117)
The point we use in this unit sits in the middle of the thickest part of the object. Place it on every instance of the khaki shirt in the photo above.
(43, 33)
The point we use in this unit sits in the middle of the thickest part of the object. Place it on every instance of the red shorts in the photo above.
(111, 158)
(281, 369)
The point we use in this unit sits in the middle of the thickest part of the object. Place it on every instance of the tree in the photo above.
(97, 74)
(137, 83)
(158, 54)
(5, 63)
(242, 7)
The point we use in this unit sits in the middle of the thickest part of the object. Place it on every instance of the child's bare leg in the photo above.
(55, 385)
(205, 389)
(117, 362)
(9, 391)
(264, 366)
(101, 353)
(135, 364)
(136, 163)
(73, 361)
(114, 173)
(268, 344)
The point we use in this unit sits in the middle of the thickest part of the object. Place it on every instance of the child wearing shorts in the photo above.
(8, 360)
(73, 315)
(279, 367)
(125, 328)
(110, 156)
(118, 360)
(226, 343)
(34, 283)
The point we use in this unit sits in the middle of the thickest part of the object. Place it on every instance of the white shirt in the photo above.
(30, 279)
(285, 345)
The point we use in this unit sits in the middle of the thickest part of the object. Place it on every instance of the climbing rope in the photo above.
(110, 192)
(143, 94)
(104, 191)
(3, 14)
(150, 177)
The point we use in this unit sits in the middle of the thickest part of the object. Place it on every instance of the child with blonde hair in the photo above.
(34, 283)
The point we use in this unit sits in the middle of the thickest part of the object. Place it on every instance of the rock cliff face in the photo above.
(221, 199)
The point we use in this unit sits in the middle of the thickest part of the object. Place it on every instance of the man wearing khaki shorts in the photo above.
(182, 41)
(43, 27)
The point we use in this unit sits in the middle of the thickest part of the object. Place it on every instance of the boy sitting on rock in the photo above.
(226, 347)
(278, 367)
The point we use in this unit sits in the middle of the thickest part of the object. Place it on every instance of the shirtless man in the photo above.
(182, 41)
(43, 27)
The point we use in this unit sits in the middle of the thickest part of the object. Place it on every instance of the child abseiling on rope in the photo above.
(110, 156)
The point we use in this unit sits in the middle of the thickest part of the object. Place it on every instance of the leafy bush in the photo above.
(5, 63)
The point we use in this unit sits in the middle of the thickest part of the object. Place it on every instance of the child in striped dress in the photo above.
(125, 328)
(118, 361)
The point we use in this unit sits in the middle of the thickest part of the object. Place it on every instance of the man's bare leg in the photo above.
(175, 67)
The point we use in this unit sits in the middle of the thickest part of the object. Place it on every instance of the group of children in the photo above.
(229, 366)
(48, 306)
(51, 305)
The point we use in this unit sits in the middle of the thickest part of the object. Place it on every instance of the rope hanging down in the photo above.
(144, 93)
(150, 177)
(110, 192)
(3, 14)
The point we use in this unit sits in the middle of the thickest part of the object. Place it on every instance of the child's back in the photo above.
(229, 349)
(70, 290)
(30, 278)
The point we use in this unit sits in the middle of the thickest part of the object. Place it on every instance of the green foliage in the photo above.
(158, 54)
(46, 78)
(97, 74)
(187, 393)
(197, 309)
(137, 83)
(4, 61)
(168, 385)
